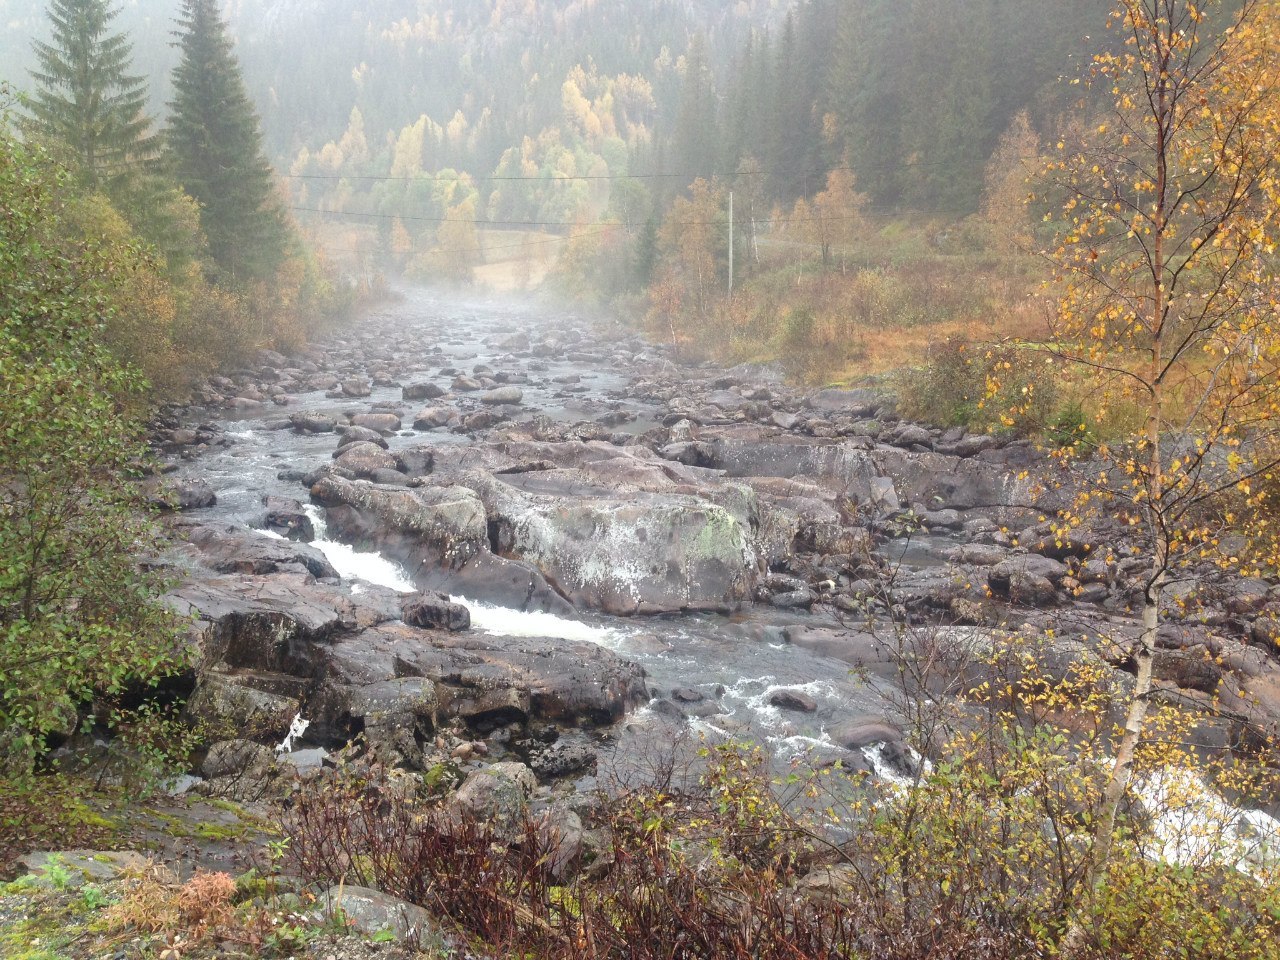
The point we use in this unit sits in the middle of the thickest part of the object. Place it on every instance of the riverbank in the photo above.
(478, 534)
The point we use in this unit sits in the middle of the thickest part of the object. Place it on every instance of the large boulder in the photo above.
(228, 548)
(490, 680)
(449, 520)
(619, 551)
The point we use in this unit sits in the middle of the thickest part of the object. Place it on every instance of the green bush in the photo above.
(997, 388)
(77, 614)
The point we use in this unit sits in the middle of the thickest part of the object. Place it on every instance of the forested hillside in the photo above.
(914, 94)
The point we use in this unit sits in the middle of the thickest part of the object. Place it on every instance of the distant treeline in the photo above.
(913, 95)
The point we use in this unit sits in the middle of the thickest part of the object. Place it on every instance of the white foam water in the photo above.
(353, 564)
(504, 622)
(1192, 825)
(372, 567)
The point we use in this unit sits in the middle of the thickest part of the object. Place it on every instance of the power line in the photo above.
(562, 223)
(570, 178)
(567, 178)
(486, 248)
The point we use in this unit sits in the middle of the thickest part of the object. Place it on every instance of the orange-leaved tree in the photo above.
(1163, 255)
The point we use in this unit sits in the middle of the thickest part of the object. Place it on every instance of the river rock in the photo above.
(432, 418)
(363, 459)
(619, 552)
(312, 423)
(1000, 577)
(793, 700)
(434, 611)
(395, 716)
(450, 520)
(228, 548)
(225, 698)
(422, 391)
(383, 423)
(356, 434)
(287, 518)
(502, 396)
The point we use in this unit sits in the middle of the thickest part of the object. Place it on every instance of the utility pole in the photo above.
(731, 244)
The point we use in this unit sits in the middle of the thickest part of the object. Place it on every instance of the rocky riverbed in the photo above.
(483, 531)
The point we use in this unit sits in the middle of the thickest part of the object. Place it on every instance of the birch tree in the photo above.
(1164, 261)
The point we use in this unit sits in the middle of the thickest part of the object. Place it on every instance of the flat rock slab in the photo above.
(74, 868)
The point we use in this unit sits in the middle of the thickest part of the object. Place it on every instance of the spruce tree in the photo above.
(86, 97)
(216, 146)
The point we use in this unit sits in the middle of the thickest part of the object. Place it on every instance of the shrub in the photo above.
(1002, 387)
(77, 614)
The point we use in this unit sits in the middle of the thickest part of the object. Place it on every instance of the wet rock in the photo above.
(449, 520)
(355, 388)
(287, 518)
(312, 423)
(466, 384)
(503, 395)
(363, 459)
(354, 434)
(227, 548)
(620, 551)
(490, 680)
(422, 391)
(859, 649)
(865, 732)
(383, 423)
(794, 600)
(433, 417)
(560, 759)
(434, 611)
(688, 695)
(183, 495)
(795, 700)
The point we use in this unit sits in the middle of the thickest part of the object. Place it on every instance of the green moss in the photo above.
(222, 831)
